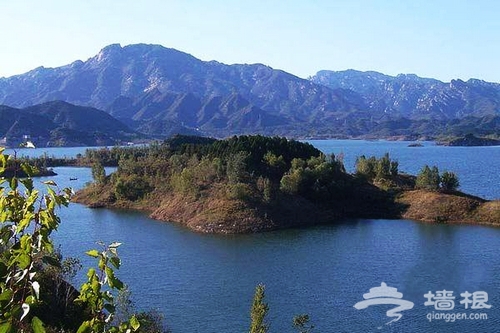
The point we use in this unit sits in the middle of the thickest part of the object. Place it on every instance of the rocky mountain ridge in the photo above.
(161, 91)
(414, 97)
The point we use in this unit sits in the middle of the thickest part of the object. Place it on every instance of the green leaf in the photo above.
(91, 273)
(115, 261)
(28, 183)
(28, 169)
(3, 159)
(24, 260)
(84, 328)
(25, 221)
(113, 281)
(93, 253)
(50, 183)
(37, 325)
(13, 183)
(6, 295)
(134, 323)
(6, 327)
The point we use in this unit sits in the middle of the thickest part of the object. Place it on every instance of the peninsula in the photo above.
(255, 183)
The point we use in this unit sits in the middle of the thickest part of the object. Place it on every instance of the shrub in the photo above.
(131, 188)
(449, 181)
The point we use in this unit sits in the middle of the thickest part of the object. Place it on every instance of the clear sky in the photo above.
(444, 39)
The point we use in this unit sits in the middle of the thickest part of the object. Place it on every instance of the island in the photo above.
(416, 144)
(250, 184)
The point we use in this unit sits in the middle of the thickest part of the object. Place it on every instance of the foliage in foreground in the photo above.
(259, 310)
(27, 219)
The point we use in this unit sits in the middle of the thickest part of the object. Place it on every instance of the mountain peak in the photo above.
(111, 47)
(108, 52)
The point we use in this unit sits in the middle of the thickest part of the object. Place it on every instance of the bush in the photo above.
(131, 188)
(449, 181)
(239, 191)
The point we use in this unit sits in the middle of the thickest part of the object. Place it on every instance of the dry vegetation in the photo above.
(251, 184)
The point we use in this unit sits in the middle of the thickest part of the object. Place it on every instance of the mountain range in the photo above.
(160, 91)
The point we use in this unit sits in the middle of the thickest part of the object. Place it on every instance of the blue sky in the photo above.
(440, 38)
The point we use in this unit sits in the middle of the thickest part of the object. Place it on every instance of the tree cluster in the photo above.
(373, 168)
(251, 167)
(429, 179)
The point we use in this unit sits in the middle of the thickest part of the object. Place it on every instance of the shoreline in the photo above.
(474, 214)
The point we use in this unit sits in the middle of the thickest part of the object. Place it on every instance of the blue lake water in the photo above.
(205, 283)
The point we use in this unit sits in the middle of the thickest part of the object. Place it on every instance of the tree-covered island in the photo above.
(255, 183)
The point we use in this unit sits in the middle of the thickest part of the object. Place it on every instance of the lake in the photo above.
(205, 283)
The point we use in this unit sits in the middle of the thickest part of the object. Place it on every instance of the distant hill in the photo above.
(161, 91)
(62, 124)
(471, 141)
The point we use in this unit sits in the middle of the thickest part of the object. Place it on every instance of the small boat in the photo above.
(73, 178)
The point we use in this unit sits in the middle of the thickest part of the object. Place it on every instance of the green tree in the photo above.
(383, 167)
(131, 187)
(236, 167)
(276, 165)
(98, 172)
(428, 178)
(265, 186)
(449, 181)
(259, 311)
(291, 182)
(394, 168)
(365, 167)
